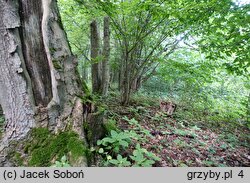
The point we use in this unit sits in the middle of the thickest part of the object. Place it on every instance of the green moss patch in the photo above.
(45, 147)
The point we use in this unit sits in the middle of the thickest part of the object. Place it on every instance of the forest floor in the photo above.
(182, 142)
(178, 140)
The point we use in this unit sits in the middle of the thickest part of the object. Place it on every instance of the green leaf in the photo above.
(101, 150)
(119, 157)
(114, 161)
(148, 163)
(66, 165)
(58, 164)
(113, 133)
(126, 163)
(123, 143)
(108, 140)
(64, 159)
(116, 149)
(99, 142)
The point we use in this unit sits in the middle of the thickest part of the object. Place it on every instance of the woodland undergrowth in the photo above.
(141, 135)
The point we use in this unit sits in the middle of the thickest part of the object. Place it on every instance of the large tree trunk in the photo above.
(95, 58)
(38, 78)
(126, 82)
(106, 54)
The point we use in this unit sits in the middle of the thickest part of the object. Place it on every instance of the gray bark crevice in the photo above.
(39, 85)
(15, 98)
(33, 50)
(46, 33)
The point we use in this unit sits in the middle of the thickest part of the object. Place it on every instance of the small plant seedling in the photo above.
(143, 158)
(62, 163)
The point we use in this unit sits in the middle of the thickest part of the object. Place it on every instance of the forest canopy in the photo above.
(182, 50)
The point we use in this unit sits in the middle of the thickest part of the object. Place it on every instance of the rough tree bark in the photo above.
(125, 76)
(106, 54)
(126, 87)
(121, 72)
(38, 81)
(95, 57)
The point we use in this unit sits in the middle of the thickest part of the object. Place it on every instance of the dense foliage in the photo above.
(192, 53)
(183, 51)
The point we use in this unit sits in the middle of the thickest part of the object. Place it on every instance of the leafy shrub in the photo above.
(119, 141)
(115, 141)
